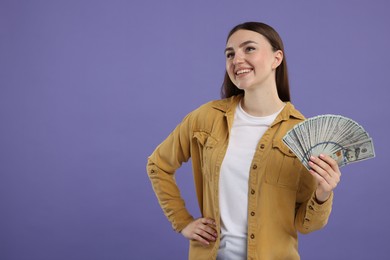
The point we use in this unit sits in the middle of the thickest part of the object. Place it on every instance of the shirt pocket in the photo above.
(206, 144)
(283, 167)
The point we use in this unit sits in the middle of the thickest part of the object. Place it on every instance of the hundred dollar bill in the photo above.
(359, 151)
(337, 136)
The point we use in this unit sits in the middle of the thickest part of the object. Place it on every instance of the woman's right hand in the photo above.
(202, 230)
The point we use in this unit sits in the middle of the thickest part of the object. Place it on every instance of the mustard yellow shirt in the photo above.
(281, 197)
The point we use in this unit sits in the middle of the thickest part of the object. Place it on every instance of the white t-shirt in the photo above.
(245, 135)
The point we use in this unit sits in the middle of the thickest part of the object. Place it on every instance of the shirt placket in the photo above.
(255, 176)
(221, 155)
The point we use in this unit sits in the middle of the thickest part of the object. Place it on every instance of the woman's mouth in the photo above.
(242, 72)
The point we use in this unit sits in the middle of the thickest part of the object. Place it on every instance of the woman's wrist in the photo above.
(321, 197)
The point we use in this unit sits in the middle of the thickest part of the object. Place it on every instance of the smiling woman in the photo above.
(245, 177)
(273, 39)
(251, 67)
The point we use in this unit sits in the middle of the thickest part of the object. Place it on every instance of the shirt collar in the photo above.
(226, 105)
(288, 112)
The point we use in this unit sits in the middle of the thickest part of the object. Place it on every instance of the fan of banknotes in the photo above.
(337, 136)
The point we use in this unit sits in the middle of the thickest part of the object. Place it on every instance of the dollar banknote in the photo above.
(337, 136)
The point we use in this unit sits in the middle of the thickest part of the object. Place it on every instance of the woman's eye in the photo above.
(249, 49)
(229, 55)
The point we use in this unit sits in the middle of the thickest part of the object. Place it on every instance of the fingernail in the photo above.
(322, 156)
(312, 158)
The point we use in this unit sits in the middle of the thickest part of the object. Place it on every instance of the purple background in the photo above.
(89, 88)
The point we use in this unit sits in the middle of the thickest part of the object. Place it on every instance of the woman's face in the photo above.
(250, 60)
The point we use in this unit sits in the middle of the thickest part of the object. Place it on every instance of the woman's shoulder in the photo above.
(218, 106)
(211, 112)
(293, 112)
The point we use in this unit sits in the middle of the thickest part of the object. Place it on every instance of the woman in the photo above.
(254, 194)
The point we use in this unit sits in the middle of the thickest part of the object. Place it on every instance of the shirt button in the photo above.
(262, 146)
(254, 167)
(253, 191)
(253, 236)
(252, 213)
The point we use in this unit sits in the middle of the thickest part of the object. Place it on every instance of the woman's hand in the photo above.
(202, 230)
(327, 173)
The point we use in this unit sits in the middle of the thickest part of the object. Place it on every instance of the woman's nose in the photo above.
(238, 59)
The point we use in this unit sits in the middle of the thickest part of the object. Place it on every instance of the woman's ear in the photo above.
(278, 55)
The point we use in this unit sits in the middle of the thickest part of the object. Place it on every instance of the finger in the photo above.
(209, 230)
(322, 182)
(318, 167)
(203, 231)
(331, 167)
(207, 236)
(325, 180)
(208, 225)
(208, 221)
(323, 165)
(200, 239)
(331, 162)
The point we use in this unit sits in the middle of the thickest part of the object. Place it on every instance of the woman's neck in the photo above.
(261, 102)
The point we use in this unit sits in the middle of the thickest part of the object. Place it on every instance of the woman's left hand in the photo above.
(327, 173)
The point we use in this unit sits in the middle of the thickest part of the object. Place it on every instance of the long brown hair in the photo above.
(228, 89)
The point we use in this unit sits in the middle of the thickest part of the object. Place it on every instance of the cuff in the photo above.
(317, 214)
